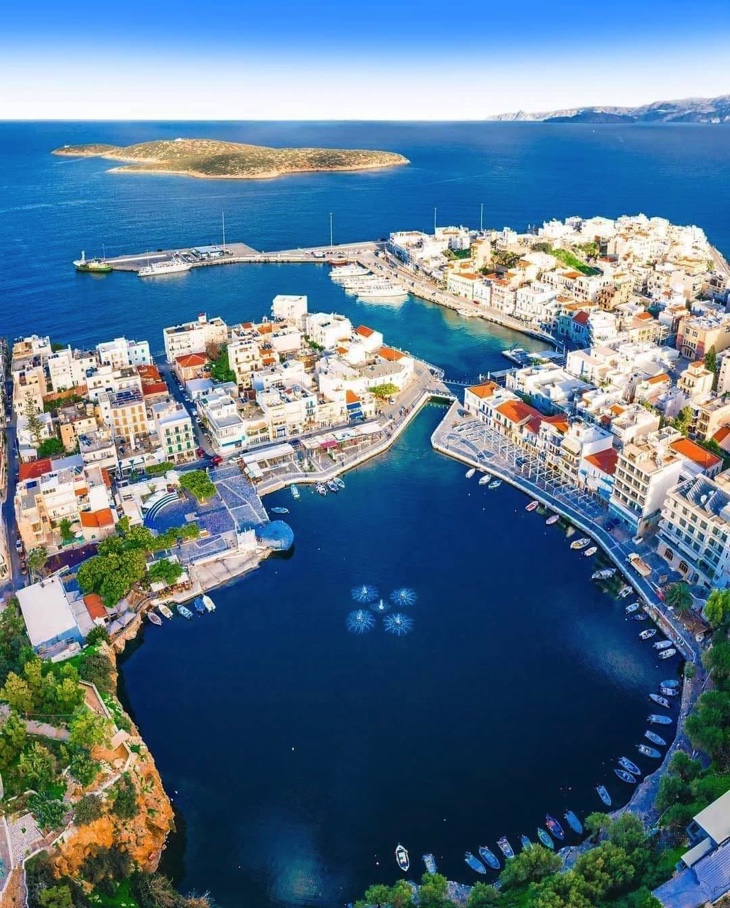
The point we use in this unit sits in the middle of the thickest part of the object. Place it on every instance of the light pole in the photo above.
(481, 217)
(331, 233)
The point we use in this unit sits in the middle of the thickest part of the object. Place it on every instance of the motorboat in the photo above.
(505, 847)
(280, 510)
(668, 691)
(656, 719)
(338, 482)
(320, 489)
(603, 574)
(474, 863)
(208, 603)
(552, 520)
(662, 644)
(589, 553)
(495, 484)
(625, 776)
(668, 653)
(198, 605)
(489, 857)
(525, 842)
(154, 618)
(486, 478)
(672, 683)
(604, 795)
(164, 610)
(624, 591)
(555, 828)
(469, 473)
(402, 859)
(294, 493)
(185, 612)
(545, 838)
(573, 821)
(430, 861)
(649, 751)
(629, 766)
(580, 543)
(332, 486)
(647, 634)
(532, 506)
(662, 701)
(641, 616)
(655, 738)
(634, 607)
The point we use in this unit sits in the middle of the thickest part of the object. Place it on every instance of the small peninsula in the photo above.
(212, 159)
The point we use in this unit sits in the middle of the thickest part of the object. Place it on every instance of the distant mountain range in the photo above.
(686, 110)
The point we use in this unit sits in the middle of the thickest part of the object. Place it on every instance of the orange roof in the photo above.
(191, 360)
(268, 360)
(351, 397)
(645, 317)
(81, 491)
(617, 410)
(534, 424)
(102, 518)
(604, 460)
(390, 354)
(721, 434)
(581, 317)
(364, 330)
(560, 422)
(150, 388)
(94, 606)
(693, 452)
(517, 411)
(151, 373)
(34, 469)
(655, 379)
(484, 390)
(342, 349)
(106, 477)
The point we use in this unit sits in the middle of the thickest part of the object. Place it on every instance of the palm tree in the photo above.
(679, 597)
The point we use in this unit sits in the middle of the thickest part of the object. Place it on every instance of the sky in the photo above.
(408, 60)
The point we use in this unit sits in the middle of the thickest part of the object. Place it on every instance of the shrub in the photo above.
(96, 668)
(97, 634)
(82, 767)
(48, 811)
(198, 483)
(88, 809)
(125, 799)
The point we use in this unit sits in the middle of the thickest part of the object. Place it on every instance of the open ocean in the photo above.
(299, 755)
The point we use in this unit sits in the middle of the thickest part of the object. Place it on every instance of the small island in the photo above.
(212, 159)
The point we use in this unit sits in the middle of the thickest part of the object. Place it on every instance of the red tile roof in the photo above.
(102, 518)
(721, 434)
(149, 373)
(656, 379)
(390, 354)
(517, 411)
(604, 460)
(693, 452)
(364, 331)
(560, 422)
(484, 390)
(94, 606)
(351, 397)
(191, 360)
(34, 469)
(581, 317)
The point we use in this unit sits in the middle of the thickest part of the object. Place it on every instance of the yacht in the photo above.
(402, 859)
(342, 272)
(381, 292)
(168, 266)
(208, 603)
(294, 493)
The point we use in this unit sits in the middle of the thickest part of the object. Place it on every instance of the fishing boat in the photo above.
(545, 838)
(656, 719)
(198, 605)
(402, 859)
(655, 738)
(94, 266)
(338, 482)
(552, 520)
(668, 691)
(662, 644)
(672, 683)
(294, 493)
(332, 486)
(604, 795)
(625, 776)
(573, 821)
(668, 653)
(662, 701)
(430, 861)
(641, 616)
(629, 766)
(555, 828)
(185, 612)
(603, 574)
(320, 489)
(589, 553)
(164, 610)
(624, 591)
(649, 751)
(474, 863)
(489, 857)
(505, 847)
(486, 478)
(469, 473)
(280, 510)
(525, 842)
(531, 506)
(634, 607)
(495, 484)
(154, 618)
(208, 603)
(580, 543)
(647, 634)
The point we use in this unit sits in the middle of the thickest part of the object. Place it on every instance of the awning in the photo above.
(277, 451)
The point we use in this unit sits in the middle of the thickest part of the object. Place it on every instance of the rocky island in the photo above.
(211, 159)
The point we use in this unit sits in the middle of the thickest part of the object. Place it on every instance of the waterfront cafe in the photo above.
(257, 463)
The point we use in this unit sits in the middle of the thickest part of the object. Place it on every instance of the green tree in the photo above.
(708, 726)
(679, 597)
(220, 367)
(97, 668)
(88, 809)
(711, 359)
(37, 557)
(432, 893)
(67, 534)
(198, 483)
(97, 634)
(17, 692)
(12, 741)
(717, 608)
(378, 895)
(562, 890)
(88, 729)
(37, 766)
(56, 897)
(383, 392)
(82, 767)
(606, 870)
(31, 413)
(125, 799)
(597, 823)
(482, 895)
(683, 420)
(165, 571)
(530, 866)
(50, 447)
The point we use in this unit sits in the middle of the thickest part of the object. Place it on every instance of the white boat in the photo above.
(294, 493)
(154, 618)
(667, 653)
(320, 488)
(470, 473)
(495, 484)
(486, 478)
(208, 603)
(532, 506)
(630, 609)
(580, 543)
(164, 610)
(342, 272)
(402, 859)
(603, 574)
(552, 519)
(624, 591)
(169, 266)
(647, 634)
(381, 292)
(662, 644)
(589, 553)
(339, 482)
(280, 510)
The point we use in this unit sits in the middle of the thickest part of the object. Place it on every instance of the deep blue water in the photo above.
(521, 681)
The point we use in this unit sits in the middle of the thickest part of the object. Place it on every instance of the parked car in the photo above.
(199, 452)
(216, 459)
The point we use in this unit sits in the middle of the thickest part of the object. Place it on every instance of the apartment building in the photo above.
(194, 337)
(219, 412)
(122, 352)
(175, 431)
(125, 413)
(696, 335)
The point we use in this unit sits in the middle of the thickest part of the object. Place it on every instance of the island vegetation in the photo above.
(213, 159)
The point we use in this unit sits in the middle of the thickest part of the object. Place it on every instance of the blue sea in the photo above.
(299, 755)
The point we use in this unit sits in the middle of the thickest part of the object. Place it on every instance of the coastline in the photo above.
(267, 175)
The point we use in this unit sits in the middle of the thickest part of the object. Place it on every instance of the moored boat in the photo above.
(573, 821)
(525, 842)
(280, 510)
(624, 591)
(470, 472)
(604, 795)
(320, 489)
(505, 847)
(198, 605)
(634, 607)
(589, 553)
(532, 505)
(489, 857)
(93, 266)
(486, 478)
(294, 492)
(545, 838)
(647, 634)
(164, 610)
(642, 616)
(430, 861)
(655, 738)
(185, 612)
(552, 520)
(668, 691)
(672, 683)
(174, 265)
(555, 828)
(208, 603)
(340, 485)
(580, 543)
(629, 766)
(662, 644)
(401, 858)
(668, 653)
(332, 486)
(656, 719)
(474, 863)
(662, 701)
(648, 751)
(625, 776)
(603, 574)
(495, 484)
(154, 618)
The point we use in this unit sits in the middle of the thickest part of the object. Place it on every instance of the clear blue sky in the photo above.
(417, 59)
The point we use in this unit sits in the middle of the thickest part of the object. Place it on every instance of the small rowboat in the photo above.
(668, 653)
(629, 766)
(531, 506)
(474, 863)
(625, 776)
(294, 492)
(280, 510)
(320, 489)
(662, 644)
(603, 574)
(642, 616)
(655, 738)
(649, 751)
(185, 612)
(154, 618)
(662, 701)
(545, 838)
(208, 603)
(340, 483)
(470, 473)
(655, 719)
(672, 683)
(333, 487)
(430, 861)
(525, 842)
(198, 605)
(668, 691)
(164, 610)
(573, 821)
(401, 858)
(555, 828)
(604, 795)
(483, 480)
(489, 857)
(505, 847)
(580, 543)
(589, 553)
(552, 519)
(624, 591)
(495, 484)
(647, 634)
(634, 607)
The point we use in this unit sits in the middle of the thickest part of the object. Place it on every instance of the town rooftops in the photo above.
(517, 411)
(364, 331)
(390, 354)
(102, 518)
(605, 461)
(692, 451)
(46, 612)
(34, 469)
(484, 390)
(581, 317)
(95, 606)
(351, 397)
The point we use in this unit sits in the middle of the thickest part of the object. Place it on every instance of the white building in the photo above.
(121, 352)
(194, 337)
(219, 412)
(327, 330)
(290, 308)
(175, 431)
